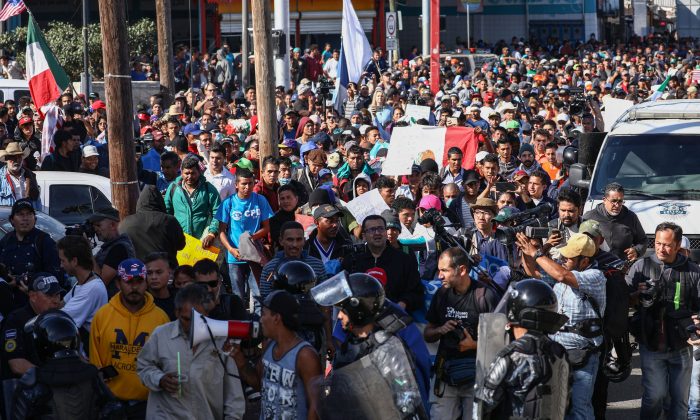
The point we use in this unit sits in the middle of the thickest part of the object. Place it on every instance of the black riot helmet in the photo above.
(570, 156)
(533, 305)
(55, 335)
(296, 277)
(359, 295)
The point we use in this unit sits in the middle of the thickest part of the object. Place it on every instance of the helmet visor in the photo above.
(332, 291)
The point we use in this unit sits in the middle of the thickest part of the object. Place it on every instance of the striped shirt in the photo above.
(279, 259)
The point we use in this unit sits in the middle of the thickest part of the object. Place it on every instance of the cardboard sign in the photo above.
(193, 251)
(417, 112)
(368, 203)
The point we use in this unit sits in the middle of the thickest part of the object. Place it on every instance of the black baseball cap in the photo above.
(326, 210)
(22, 204)
(45, 283)
(104, 213)
(285, 304)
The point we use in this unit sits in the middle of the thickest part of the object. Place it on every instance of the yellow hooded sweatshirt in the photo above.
(116, 338)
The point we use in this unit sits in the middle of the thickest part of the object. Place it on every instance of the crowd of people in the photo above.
(316, 288)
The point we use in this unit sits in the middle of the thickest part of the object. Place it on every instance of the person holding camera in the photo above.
(580, 289)
(453, 319)
(185, 381)
(119, 331)
(403, 284)
(666, 286)
(115, 247)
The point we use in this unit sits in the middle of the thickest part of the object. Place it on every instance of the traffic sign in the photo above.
(391, 25)
(390, 44)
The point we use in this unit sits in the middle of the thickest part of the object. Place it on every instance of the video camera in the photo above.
(85, 228)
(536, 219)
(434, 218)
(579, 102)
(323, 90)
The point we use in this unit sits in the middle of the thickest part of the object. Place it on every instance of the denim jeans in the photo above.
(582, 390)
(694, 397)
(665, 374)
(239, 274)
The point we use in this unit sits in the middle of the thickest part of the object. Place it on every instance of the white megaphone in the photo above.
(203, 328)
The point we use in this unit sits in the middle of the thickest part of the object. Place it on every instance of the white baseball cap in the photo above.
(90, 151)
(563, 117)
(481, 155)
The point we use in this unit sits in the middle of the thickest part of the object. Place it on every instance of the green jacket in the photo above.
(195, 213)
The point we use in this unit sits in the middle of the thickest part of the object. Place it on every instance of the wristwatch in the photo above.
(538, 254)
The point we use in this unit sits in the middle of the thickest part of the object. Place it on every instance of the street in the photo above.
(624, 399)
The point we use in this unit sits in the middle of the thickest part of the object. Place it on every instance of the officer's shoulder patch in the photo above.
(10, 346)
(10, 334)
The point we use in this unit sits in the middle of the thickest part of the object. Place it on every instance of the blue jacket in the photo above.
(7, 197)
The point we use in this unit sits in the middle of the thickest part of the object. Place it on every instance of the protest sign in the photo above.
(368, 203)
(417, 112)
(193, 251)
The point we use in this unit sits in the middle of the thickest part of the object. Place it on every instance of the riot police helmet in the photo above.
(532, 304)
(296, 277)
(55, 335)
(359, 295)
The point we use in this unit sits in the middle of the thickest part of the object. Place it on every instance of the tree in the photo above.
(66, 43)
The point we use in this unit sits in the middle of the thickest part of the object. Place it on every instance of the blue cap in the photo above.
(130, 269)
(191, 128)
(323, 172)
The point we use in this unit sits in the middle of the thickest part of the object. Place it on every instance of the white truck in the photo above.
(653, 151)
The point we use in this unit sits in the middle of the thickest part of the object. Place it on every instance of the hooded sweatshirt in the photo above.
(364, 176)
(116, 338)
(151, 229)
(620, 232)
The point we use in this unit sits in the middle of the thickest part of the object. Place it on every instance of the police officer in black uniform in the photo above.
(63, 386)
(373, 371)
(17, 349)
(530, 377)
(297, 278)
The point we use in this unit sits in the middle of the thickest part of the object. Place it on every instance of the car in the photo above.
(71, 197)
(13, 89)
(44, 222)
(651, 150)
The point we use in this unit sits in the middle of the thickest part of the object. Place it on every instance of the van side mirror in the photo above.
(578, 176)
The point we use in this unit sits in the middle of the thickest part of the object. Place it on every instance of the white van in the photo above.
(71, 197)
(13, 89)
(653, 151)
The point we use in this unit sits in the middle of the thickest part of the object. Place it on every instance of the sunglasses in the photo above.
(212, 284)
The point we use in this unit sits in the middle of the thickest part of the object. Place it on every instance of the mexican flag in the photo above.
(47, 79)
(411, 145)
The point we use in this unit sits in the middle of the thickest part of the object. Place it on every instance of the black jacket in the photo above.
(151, 229)
(403, 283)
(620, 232)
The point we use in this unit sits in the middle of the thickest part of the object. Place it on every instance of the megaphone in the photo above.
(203, 328)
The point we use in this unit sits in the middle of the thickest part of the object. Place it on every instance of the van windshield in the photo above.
(652, 164)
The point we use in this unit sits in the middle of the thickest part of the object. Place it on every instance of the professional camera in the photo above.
(537, 217)
(432, 217)
(324, 88)
(650, 295)
(579, 102)
(85, 228)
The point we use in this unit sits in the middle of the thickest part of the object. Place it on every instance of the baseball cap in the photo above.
(512, 125)
(99, 104)
(326, 211)
(481, 155)
(90, 150)
(286, 305)
(25, 120)
(391, 219)
(505, 213)
(130, 269)
(192, 129)
(470, 176)
(104, 213)
(579, 245)
(45, 283)
(430, 201)
(323, 172)
(591, 228)
(685, 242)
(143, 116)
(22, 204)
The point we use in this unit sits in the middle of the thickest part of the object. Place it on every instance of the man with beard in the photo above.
(621, 228)
(527, 159)
(115, 247)
(17, 182)
(569, 208)
(119, 331)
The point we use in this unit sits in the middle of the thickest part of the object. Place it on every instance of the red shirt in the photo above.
(268, 193)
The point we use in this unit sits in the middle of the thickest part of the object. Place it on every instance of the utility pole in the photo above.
(245, 49)
(115, 53)
(165, 51)
(85, 76)
(264, 78)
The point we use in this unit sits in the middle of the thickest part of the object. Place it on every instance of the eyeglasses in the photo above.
(375, 229)
(616, 201)
(212, 284)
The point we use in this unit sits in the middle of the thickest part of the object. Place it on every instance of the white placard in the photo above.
(367, 204)
(417, 112)
(413, 144)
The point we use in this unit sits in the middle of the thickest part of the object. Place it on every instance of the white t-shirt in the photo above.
(84, 300)
(225, 182)
(17, 186)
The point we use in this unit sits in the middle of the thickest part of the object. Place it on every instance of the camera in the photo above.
(579, 102)
(432, 217)
(85, 228)
(648, 297)
(353, 249)
(461, 326)
(533, 218)
(693, 334)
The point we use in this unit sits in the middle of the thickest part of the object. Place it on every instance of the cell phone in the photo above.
(506, 186)
(109, 372)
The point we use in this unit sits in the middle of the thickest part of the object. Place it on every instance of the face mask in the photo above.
(449, 201)
(284, 181)
(356, 125)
